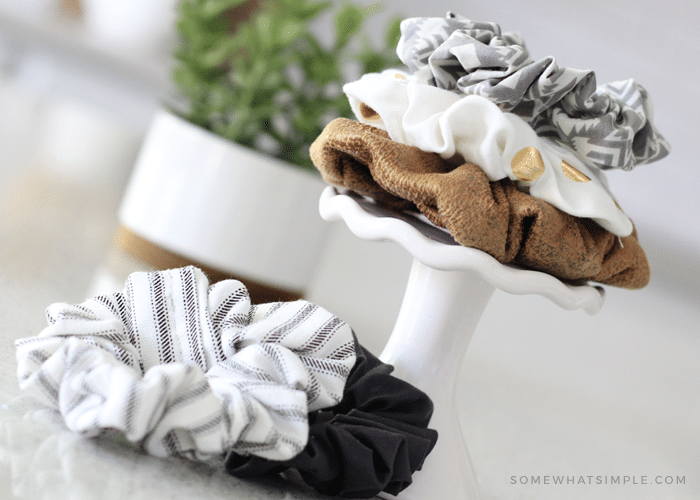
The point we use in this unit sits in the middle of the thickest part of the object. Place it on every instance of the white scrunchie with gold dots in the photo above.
(474, 129)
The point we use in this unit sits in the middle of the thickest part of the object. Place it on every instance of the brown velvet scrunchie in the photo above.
(495, 217)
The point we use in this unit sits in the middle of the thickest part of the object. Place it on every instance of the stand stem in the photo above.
(436, 322)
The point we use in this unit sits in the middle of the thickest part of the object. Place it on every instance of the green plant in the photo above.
(268, 82)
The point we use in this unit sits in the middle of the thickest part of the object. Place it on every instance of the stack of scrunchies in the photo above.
(182, 368)
(506, 153)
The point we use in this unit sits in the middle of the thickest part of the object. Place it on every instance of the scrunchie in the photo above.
(611, 125)
(185, 369)
(494, 217)
(372, 441)
(475, 130)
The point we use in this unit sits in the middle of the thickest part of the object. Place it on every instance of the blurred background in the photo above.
(544, 391)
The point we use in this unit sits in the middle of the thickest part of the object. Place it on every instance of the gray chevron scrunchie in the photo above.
(183, 368)
(610, 125)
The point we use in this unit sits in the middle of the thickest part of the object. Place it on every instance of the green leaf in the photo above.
(290, 30)
(213, 8)
(347, 22)
(323, 69)
(237, 80)
(217, 55)
(311, 10)
(393, 33)
(372, 62)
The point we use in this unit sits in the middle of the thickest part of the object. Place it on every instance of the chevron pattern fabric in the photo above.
(187, 369)
(610, 125)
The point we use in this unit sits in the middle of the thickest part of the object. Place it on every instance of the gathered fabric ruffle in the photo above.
(185, 369)
(610, 126)
(475, 130)
(494, 217)
(372, 441)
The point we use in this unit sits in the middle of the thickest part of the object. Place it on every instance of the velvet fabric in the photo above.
(494, 217)
(372, 441)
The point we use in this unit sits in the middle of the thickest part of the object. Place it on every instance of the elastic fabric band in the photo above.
(475, 130)
(608, 125)
(495, 217)
(372, 441)
(183, 368)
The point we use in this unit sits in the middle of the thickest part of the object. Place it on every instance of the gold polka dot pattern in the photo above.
(527, 164)
(573, 173)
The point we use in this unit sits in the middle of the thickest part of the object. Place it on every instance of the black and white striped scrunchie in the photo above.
(184, 368)
(610, 125)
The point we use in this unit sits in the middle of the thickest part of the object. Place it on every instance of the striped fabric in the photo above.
(186, 369)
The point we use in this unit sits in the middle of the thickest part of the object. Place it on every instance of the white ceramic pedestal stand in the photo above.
(448, 289)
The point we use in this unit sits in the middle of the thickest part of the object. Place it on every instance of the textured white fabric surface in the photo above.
(187, 369)
(474, 129)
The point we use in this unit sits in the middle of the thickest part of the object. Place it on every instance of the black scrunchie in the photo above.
(372, 441)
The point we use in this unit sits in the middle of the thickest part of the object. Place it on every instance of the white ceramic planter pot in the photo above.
(225, 207)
